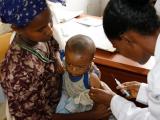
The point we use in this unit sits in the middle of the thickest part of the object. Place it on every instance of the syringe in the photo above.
(125, 92)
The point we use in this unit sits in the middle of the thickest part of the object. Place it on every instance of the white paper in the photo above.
(89, 21)
(61, 13)
(66, 30)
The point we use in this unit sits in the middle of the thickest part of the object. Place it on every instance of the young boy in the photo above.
(80, 74)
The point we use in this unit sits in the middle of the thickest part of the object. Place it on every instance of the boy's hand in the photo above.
(131, 87)
(101, 96)
(59, 66)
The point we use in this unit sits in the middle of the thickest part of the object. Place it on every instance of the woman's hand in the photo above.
(131, 87)
(102, 96)
(100, 111)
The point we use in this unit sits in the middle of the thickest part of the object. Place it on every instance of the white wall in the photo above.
(103, 5)
(94, 7)
(77, 5)
(91, 7)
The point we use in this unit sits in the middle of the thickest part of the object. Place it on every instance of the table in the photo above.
(115, 65)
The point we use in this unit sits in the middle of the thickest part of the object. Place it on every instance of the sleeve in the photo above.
(157, 7)
(22, 87)
(126, 110)
(142, 96)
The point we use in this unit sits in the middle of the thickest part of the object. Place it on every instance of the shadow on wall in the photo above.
(103, 5)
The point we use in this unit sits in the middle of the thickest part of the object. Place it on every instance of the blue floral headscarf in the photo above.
(20, 12)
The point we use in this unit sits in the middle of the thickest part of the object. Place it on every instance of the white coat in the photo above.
(148, 94)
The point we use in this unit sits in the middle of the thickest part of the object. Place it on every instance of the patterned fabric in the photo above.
(20, 12)
(32, 86)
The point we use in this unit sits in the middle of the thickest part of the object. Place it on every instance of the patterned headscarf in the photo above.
(20, 12)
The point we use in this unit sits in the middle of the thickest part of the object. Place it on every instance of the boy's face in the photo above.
(76, 64)
(39, 30)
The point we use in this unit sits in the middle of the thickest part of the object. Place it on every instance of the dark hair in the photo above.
(81, 44)
(123, 15)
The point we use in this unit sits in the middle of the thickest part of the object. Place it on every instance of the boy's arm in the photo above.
(94, 80)
(95, 70)
(95, 76)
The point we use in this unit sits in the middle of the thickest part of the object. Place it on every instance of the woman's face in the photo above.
(40, 29)
(131, 49)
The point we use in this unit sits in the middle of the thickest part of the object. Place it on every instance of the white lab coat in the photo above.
(148, 94)
(157, 7)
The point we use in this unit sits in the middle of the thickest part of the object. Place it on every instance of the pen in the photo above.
(125, 92)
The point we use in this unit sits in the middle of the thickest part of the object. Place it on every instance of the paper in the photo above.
(66, 30)
(61, 13)
(90, 21)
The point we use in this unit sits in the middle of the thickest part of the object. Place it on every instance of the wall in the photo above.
(103, 5)
(91, 7)
(77, 5)
(94, 7)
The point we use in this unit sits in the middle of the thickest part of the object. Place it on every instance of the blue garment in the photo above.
(20, 12)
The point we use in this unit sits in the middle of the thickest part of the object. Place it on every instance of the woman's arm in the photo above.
(98, 112)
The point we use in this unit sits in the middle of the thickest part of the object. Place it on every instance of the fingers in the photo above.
(100, 111)
(94, 90)
(131, 87)
(94, 93)
(105, 86)
(128, 85)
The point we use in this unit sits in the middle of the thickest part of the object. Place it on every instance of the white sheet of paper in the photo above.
(68, 29)
(61, 13)
(89, 21)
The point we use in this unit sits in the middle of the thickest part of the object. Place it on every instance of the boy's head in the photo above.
(30, 18)
(79, 53)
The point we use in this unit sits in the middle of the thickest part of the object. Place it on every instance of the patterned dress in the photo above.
(32, 86)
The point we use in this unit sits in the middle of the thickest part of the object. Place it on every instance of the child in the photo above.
(80, 74)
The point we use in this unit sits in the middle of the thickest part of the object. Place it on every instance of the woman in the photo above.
(133, 27)
(30, 71)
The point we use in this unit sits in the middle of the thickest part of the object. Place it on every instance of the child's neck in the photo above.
(75, 78)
